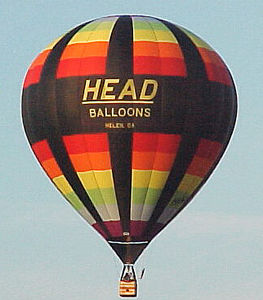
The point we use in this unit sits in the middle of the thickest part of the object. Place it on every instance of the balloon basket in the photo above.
(128, 282)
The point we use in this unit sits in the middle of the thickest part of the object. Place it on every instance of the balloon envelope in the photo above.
(128, 116)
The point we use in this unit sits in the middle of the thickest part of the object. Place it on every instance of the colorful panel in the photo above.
(206, 155)
(152, 159)
(215, 67)
(89, 154)
(86, 52)
(49, 164)
(156, 50)
(34, 71)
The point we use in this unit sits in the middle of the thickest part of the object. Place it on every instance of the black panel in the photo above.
(119, 64)
(168, 113)
(120, 52)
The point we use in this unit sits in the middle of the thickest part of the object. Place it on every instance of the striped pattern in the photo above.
(46, 159)
(86, 52)
(128, 288)
(90, 158)
(215, 67)
(33, 73)
(156, 50)
(206, 155)
(152, 159)
(129, 182)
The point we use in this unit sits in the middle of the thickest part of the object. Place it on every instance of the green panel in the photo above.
(99, 25)
(178, 199)
(90, 27)
(149, 25)
(152, 196)
(74, 200)
(102, 196)
(145, 195)
(138, 195)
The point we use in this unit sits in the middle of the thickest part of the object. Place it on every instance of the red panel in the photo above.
(137, 228)
(208, 149)
(114, 228)
(218, 74)
(81, 67)
(97, 142)
(152, 142)
(145, 142)
(32, 76)
(159, 66)
(42, 150)
(81, 143)
(99, 230)
(75, 144)
(147, 65)
(168, 143)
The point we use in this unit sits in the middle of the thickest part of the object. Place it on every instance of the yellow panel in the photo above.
(104, 178)
(189, 183)
(52, 44)
(101, 32)
(62, 184)
(166, 35)
(90, 36)
(158, 179)
(149, 178)
(196, 40)
(96, 179)
(154, 36)
(144, 35)
(141, 178)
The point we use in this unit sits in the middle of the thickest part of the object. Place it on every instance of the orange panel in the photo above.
(85, 50)
(199, 167)
(163, 161)
(90, 161)
(162, 49)
(152, 161)
(142, 160)
(100, 160)
(40, 59)
(80, 162)
(51, 167)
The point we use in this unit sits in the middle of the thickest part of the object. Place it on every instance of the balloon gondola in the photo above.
(128, 116)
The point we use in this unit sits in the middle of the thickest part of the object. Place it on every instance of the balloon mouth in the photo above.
(128, 251)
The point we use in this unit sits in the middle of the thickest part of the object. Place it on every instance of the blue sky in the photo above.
(212, 251)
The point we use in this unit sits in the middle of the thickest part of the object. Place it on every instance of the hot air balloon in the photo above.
(128, 116)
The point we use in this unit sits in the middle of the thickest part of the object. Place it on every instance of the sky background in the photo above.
(212, 251)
